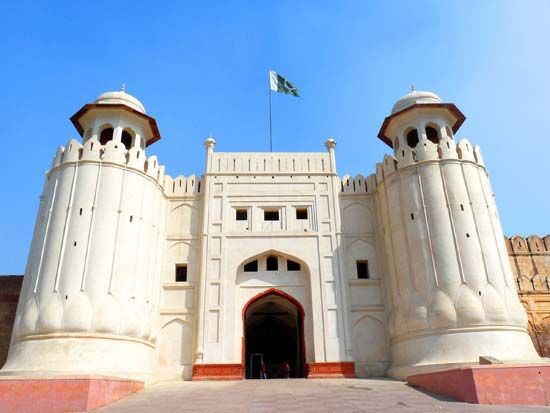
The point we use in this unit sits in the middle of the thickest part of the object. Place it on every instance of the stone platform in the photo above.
(508, 384)
(24, 394)
(296, 395)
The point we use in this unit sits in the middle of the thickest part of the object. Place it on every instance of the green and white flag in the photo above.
(280, 84)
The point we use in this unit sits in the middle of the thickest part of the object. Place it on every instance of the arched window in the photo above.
(272, 263)
(106, 135)
(432, 134)
(126, 139)
(252, 266)
(412, 138)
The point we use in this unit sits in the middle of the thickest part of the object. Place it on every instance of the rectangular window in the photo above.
(271, 215)
(363, 269)
(301, 213)
(242, 215)
(181, 272)
(272, 263)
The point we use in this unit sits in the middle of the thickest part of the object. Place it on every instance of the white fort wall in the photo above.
(90, 301)
(100, 294)
(450, 293)
(176, 344)
(366, 296)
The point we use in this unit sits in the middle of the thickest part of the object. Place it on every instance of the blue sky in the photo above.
(201, 68)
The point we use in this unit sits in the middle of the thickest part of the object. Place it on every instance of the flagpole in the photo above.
(270, 129)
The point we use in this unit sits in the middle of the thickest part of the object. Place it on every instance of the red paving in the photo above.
(525, 384)
(330, 395)
(62, 394)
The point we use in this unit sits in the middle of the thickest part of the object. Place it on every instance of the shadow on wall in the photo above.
(10, 286)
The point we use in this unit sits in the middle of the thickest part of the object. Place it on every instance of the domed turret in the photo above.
(120, 97)
(450, 290)
(88, 305)
(420, 115)
(116, 116)
(415, 97)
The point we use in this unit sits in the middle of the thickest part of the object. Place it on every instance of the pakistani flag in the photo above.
(280, 84)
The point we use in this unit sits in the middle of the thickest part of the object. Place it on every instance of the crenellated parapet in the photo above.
(182, 186)
(358, 185)
(426, 151)
(112, 153)
(266, 163)
(530, 260)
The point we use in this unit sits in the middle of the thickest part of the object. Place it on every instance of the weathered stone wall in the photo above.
(9, 294)
(530, 259)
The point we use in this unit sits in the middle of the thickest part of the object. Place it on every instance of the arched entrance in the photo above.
(273, 324)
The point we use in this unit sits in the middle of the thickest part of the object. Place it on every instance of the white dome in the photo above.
(120, 97)
(415, 97)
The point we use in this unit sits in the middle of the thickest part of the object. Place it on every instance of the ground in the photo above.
(346, 395)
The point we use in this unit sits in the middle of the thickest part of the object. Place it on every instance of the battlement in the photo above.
(530, 259)
(358, 185)
(533, 244)
(270, 163)
(182, 186)
(112, 152)
(429, 151)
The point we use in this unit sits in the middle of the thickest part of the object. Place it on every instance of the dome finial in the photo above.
(123, 87)
(413, 88)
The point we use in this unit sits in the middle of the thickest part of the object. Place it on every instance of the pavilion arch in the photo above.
(433, 132)
(128, 137)
(411, 137)
(105, 133)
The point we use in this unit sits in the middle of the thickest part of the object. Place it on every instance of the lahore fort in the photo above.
(272, 263)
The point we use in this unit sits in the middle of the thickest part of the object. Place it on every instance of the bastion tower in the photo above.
(451, 296)
(90, 295)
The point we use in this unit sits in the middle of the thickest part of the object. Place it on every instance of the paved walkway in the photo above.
(293, 395)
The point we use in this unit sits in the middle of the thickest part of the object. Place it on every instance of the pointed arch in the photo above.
(300, 324)
(271, 252)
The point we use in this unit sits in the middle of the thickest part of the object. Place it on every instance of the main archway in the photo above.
(273, 324)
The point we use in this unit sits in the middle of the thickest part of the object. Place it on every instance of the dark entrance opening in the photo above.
(273, 334)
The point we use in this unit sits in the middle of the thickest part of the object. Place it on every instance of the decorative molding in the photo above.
(217, 372)
(434, 332)
(178, 286)
(331, 369)
(86, 335)
(367, 308)
(365, 283)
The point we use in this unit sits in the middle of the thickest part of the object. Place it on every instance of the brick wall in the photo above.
(530, 259)
(9, 294)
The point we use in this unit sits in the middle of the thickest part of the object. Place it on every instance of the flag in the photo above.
(280, 84)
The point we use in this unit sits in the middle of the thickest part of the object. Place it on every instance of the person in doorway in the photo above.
(263, 374)
(286, 369)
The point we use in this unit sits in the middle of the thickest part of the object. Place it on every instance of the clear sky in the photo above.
(200, 68)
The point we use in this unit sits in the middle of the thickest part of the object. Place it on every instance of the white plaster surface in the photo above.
(100, 294)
